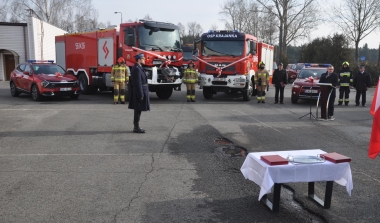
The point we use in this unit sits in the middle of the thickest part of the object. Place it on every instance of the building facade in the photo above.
(19, 42)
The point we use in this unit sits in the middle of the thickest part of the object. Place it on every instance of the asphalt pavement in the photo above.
(64, 160)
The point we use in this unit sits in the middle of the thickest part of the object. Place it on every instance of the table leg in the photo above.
(275, 206)
(328, 194)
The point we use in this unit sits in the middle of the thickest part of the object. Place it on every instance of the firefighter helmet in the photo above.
(345, 63)
(261, 63)
(191, 62)
(121, 60)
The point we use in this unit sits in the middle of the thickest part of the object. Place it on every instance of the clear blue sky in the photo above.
(204, 12)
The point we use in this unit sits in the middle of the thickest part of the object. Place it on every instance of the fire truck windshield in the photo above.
(222, 48)
(159, 39)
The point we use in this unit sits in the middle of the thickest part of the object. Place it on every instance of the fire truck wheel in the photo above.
(127, 93)
(83, 82)
(247, 95)
(207, 92)
(164, 93)
(36, 96)
(14, 91)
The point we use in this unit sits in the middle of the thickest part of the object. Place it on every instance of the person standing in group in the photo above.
(261, 81)
(119, 78)
(139, 93)
(190, 77)
(362, 81)
(345, 81)
(279, 81)
(330, 77)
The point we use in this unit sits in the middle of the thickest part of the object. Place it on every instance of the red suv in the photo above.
(43, 78)
(302, 87)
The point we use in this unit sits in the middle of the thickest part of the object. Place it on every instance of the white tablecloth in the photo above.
(266, 176)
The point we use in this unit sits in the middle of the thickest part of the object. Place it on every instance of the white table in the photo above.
(267, 176)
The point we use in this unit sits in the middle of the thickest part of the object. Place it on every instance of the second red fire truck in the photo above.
(224, 57)
(91, 55)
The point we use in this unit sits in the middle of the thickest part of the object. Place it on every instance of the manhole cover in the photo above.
(232, 151)
(223, 141)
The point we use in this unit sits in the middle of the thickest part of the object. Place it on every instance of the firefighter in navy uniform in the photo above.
(190, 78)
(279, 81)
(119, 78)
(262, 81)
(345, 82)
(362, 81)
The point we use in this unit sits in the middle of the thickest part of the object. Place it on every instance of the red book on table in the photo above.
(336, 157)
(274, 160)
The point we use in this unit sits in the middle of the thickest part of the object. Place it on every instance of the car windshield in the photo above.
(166, 39)
(188, 56)
(315, 73)
(299, 66)
(47, 69)
(222, 48)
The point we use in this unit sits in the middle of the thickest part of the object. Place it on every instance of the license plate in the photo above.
(311, 91)
(157, 62)
(65, 89)
(219, 79)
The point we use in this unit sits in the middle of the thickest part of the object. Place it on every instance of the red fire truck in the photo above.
(90, 55)
(223, 60)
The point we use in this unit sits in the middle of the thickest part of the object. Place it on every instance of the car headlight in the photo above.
(174, 57)
(169, 57)
(296, 86)
(45, 83)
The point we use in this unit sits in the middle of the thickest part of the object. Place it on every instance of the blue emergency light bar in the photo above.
(40, 61)
(223, 31)
(317, 65)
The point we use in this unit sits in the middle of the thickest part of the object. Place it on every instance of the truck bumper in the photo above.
(233, 81)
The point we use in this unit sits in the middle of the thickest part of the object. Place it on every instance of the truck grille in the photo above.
(230, 69)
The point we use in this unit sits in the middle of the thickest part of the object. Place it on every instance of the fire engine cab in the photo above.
(91, 55)
(228, 62)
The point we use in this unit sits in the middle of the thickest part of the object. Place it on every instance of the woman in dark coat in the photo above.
(139, 92)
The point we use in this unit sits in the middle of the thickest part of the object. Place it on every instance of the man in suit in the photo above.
(140, 93)
(279, 81)
(362, 81)
(330, 77)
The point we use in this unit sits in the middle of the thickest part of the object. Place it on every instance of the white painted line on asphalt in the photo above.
(86, 109)
(260, 122)
(131, 154)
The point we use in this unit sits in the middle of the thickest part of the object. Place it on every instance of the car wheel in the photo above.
(74, 96)
(14, 91)
(36, 96)
(164, 93)
(207, 92)
(294, 99)
(83, 83)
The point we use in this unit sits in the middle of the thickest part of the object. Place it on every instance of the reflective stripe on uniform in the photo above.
(345, 74)
(344, 84)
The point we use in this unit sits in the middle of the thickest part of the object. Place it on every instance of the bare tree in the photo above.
(4, 5)
(296, 19)
(214, 27)
(357, 19)
(234, 14)
(195, 29)
(182, 29)
(56, 12)
(147, 17)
